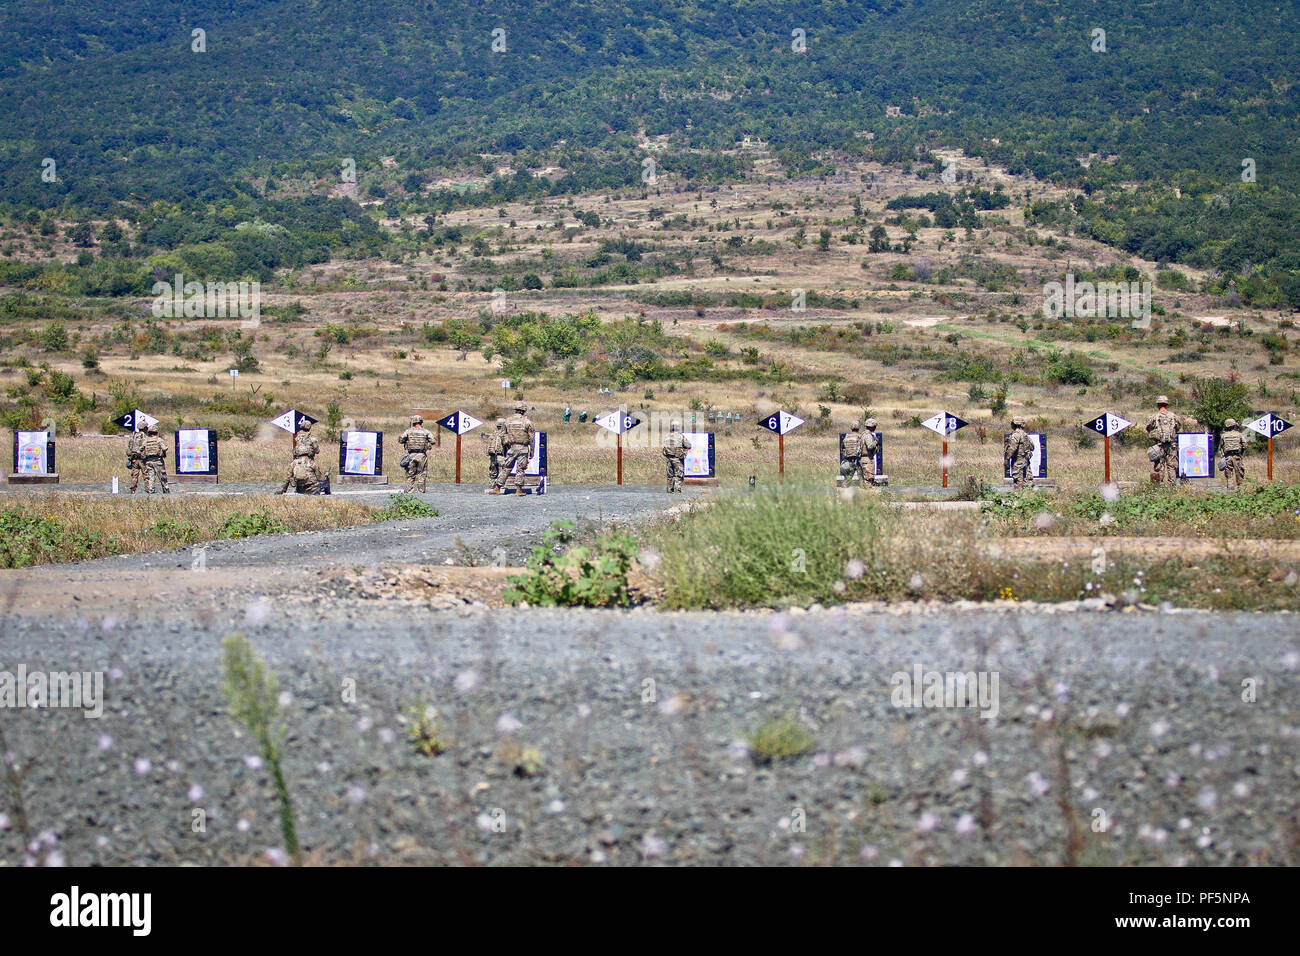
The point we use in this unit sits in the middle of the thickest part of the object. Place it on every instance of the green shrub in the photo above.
(172, 530)
(248, 525)
(779, 738)
(562, 574)
(779, 545)
(403, 505)
(27, 539)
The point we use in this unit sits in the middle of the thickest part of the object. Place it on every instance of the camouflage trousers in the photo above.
(494, 468)
(417, 471)
(1234, 472)
(1019, 472)
(154, 469)
(854, 470)
(1166, 468)
(315, 485)
(303, 473)
(676, 473)
(516, 457)
(137, 471)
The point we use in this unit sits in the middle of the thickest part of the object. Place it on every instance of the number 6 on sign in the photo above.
(781, 423)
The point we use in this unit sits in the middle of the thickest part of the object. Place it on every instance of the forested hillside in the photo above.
(1181, 134)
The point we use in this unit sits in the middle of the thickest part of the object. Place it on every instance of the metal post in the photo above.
(458, 458)
(620, 457)
(1108, 459)
(1270, 455)
(780, 451)
(943, 461)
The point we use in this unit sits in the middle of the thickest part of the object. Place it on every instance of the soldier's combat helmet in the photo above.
(675, 427)
(521, 406)
(871, 423)
(1018, 421)
(1229, 423)
(1162, 399)
(417, 419)
(501, 423)
(305, 426)
(153, 429)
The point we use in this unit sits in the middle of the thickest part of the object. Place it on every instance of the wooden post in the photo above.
(458, 458)
(780, 456)
(1108, 459)
(620, 457)
(943, 461)
(1270, 456)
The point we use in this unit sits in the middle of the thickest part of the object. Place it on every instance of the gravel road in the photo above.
(1126, 729)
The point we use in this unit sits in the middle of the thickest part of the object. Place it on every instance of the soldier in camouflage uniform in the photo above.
(852, 450)
(303, 474)
(676, 445)
(1163, 429)
(870, 443)
(134, 459)
(154, 453)
(417, 440)
(496, 450)
(1234, 472)
(519, 448)
(1016, 451)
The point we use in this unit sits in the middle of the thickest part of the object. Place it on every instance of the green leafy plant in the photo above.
(426, 730)
(248, 525)
(27, 539)
(403, 505)
(563, 574)
(779, 738)
(173, 530)
(254, 695)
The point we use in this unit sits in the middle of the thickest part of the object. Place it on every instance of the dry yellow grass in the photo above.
(138, 524)
(384, 387)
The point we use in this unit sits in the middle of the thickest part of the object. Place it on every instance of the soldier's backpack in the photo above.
(516, 431)
(418, 443)
(1166, 428)
(302, 469)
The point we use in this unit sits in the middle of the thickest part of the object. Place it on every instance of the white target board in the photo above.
(699, 462)
(360, 452)
(30, 453)
(192, 451)
(1195, 455)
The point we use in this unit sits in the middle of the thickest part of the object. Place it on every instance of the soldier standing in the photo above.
(1234, 472)
(852, 449)
(1016, 451)
(306, 447)
(134, 458)
(154, 453)
(676, 445)
(496, 450)
(518, 443)
(417, 440)
(870, 444)
(1163, 428)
